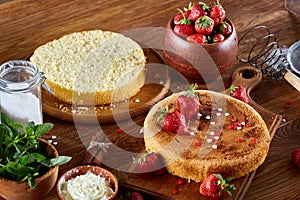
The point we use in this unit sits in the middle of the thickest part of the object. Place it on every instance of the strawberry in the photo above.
(215, 186)
(178, 18)
(172, 121)
(217, 13)
(197, 38)
(218, 38)
(225, 28)
(188, 104)
(204, 25)
(198, 10)
(136, 196)
(296, 157)
(184, 27)
(184, 30)
(239, 92)
(150, 162)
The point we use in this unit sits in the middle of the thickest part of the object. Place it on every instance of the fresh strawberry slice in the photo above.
(204, 25)
(150, 162)
(197, 38)
(239, 92)
(175, 122)
(215, 187)
(172, 121)
(188, 104)
(198, 10)
(296, 157)
(136, 196)
(225, 28)
(217, 13)
(218, 38)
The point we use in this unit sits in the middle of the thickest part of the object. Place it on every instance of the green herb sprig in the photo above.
(21, 156)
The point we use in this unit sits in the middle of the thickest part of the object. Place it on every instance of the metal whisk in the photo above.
(266, 55)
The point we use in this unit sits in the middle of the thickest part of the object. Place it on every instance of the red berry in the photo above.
(184, 30)
(218, 38)
(197, 11)
(180, 181)
(254, 141)
(204, 25)
(120, 130)
(296, 157)
(239, 92)
(197, 38)
(217, 13)
(175, 191)
(136, 196)
(240, 140)
(225, 28)
(150, 162)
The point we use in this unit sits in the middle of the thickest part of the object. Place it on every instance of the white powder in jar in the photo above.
(21, 107)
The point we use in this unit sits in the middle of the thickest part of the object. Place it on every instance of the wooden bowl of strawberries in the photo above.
(200, 42)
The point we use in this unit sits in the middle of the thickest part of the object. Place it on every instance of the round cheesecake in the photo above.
(226, 136)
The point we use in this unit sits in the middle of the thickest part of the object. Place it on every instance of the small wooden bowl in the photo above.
(13, 190)
(81, 170)
(199, 63)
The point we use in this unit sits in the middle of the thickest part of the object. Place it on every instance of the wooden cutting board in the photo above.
(156, 87)
(161, 187)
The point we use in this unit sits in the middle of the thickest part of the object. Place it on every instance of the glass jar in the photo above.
(20, 91)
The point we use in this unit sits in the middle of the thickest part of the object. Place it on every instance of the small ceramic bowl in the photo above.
(13, 190)
(82, 170)
(199, 63)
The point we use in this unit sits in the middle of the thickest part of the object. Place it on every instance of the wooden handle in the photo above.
(292, 79)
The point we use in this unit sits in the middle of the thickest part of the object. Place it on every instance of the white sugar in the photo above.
(21, 107)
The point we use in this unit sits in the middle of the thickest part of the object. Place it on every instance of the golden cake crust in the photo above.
(92, 67)
(230, 138)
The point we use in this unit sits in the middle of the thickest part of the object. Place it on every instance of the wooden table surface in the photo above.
(27, 24)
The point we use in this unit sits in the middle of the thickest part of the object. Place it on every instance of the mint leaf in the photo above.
(31, 158)
(41, 129)
(56, 161)
(18, 169)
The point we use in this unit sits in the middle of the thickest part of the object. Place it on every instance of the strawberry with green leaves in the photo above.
(184, 27)
(215, 187)
(204, 25)
(150, 162)
(198, 10)
(188, 104)
(178, 19)
(217, 13)
(239, 92)
(172, 121)
(218, 38)
(225, 28)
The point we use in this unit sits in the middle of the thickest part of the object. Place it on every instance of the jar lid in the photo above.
(293, 57)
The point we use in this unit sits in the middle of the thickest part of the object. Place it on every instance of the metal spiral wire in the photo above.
(264, 52)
